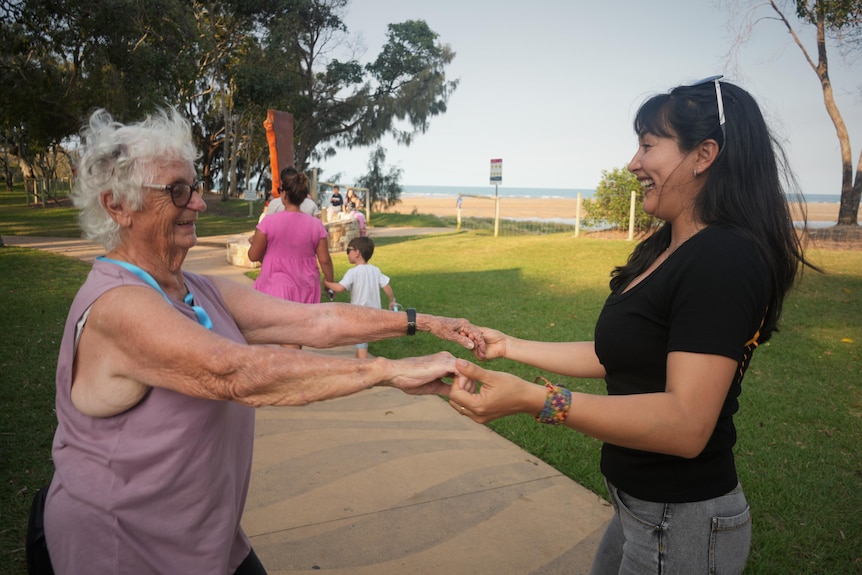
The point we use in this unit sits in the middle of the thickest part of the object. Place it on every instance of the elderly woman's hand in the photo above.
(458, 330)
(422, 375)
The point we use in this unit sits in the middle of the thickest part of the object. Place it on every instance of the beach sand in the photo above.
(545, 208)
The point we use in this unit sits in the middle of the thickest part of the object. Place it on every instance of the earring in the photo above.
(695, 172)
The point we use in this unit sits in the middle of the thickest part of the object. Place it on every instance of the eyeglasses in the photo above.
(181, 193)
(719, 100)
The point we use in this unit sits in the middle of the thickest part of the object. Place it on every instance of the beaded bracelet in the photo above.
(558, 401)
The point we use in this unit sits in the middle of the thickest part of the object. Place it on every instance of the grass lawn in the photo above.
(221, 218)
(800, 422)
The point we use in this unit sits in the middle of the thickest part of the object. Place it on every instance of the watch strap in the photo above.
(411, 321)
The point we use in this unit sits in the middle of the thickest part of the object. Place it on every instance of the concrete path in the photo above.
(382, 483)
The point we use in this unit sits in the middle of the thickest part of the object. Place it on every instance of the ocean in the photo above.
(542, 193)
(503, 191)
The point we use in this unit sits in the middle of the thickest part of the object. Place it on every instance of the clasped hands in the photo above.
(500, 394)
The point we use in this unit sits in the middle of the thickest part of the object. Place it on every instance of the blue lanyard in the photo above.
(203, 317)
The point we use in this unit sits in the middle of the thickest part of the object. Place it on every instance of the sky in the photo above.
(551, 87)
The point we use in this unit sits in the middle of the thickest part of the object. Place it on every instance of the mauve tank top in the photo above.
(159, 488)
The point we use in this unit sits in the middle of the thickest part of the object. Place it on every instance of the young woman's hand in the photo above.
(500, 394)
(495, 344)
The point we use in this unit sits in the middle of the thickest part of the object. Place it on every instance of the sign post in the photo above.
(496, 180)
(250, 195)
(496, 174)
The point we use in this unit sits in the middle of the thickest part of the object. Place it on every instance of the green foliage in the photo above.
(611, 204)
(125, 56)
(836, 14)
(411, 80)
(383, 187)
(224, 63)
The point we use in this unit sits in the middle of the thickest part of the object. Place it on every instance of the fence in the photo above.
(506, 215)
(44, 190)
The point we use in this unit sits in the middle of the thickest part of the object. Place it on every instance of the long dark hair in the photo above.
(745, 187)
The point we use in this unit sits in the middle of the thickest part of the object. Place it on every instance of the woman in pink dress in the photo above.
(291, 245)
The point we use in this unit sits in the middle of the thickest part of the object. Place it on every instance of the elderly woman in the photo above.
(159, 370)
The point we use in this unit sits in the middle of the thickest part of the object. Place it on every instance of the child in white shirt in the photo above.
(364, 281)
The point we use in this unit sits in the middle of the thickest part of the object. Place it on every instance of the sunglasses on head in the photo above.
(719, 100)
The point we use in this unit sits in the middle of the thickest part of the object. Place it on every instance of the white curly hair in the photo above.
(121, 158)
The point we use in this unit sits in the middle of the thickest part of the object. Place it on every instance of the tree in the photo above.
(224, 63)
(835, 19)
(227, 32)
(63, 59)
(611, 204)
(383, 187)
(340, 103)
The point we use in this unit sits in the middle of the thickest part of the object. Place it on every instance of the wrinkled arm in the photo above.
(264, 319)
(134, 340)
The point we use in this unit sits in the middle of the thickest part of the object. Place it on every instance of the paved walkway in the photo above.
(382, 483)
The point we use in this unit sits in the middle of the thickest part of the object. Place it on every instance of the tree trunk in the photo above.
(849, 208)
(225, 172)
(248, 158)
(7, 172)
(235, 136)
(848, 211)
(850, 193)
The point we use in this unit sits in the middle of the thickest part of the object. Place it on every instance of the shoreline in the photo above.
(546, 208)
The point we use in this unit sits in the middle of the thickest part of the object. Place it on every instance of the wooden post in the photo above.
(578, 216)
(279, 136)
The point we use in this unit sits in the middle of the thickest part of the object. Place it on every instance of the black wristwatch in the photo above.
(411, 321)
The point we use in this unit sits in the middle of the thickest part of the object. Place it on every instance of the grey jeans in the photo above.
(645, 537)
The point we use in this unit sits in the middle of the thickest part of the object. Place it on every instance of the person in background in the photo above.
(309, 206)
(159, 369)
(291, 245)
(364, 282)
(275, 205)
(352, 198)
(675, 337)
(335, 203)
(353, 213)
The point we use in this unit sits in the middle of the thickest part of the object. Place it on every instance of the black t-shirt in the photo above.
(336, 200)
(710, 297)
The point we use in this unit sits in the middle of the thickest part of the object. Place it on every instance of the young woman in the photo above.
(674, 338)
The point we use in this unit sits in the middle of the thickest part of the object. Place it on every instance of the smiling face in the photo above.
(666, 175)
(161, 227)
